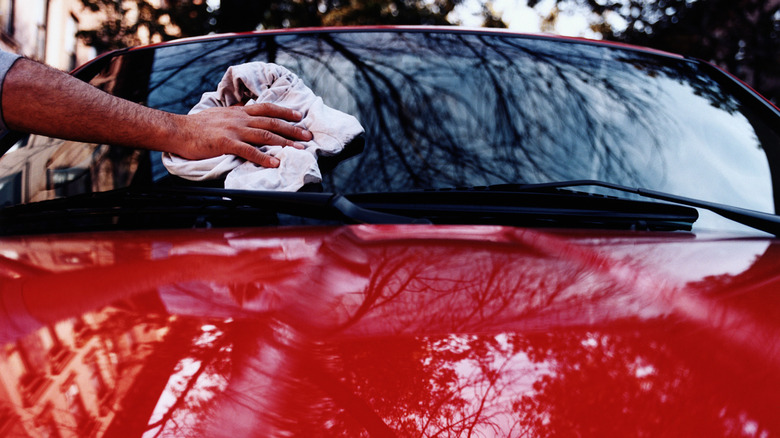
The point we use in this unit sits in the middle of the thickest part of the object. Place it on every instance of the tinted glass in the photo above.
(464, 109)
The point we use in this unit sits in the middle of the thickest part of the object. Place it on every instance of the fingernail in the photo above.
(297, 114)
(274, 162)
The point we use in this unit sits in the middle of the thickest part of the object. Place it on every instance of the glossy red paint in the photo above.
(390, 330)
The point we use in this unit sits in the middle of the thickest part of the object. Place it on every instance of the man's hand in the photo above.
(238, 130)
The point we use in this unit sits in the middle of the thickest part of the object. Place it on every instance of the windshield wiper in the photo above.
(533, 205)
(559, 209)
(767, 222)
(177, 207)
(302, 203)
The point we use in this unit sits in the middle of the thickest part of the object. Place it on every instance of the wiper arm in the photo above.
(767, 222)
(303, 201)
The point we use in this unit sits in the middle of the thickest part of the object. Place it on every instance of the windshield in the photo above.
(453, 109)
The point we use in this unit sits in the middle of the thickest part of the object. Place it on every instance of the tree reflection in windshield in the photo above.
(460, 109)
(452, 110)
(456, 109)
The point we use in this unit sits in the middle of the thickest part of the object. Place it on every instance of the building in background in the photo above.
(45, 30)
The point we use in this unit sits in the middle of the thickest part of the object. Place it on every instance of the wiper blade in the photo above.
(767, 222)
(302, 203)
(176, 207)
(482, 205)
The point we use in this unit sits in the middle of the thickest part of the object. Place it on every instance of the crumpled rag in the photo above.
(259, 82)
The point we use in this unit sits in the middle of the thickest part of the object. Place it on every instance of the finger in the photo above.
(254, 155)
(262, 137)
(275, 111)
(281, 128)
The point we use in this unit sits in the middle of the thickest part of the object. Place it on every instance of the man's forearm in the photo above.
(39, 99)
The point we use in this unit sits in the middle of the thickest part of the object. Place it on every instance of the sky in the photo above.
(572, 20)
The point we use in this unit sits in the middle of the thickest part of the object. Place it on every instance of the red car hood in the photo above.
(390, 330)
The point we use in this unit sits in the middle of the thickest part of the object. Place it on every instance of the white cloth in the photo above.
(262, 82)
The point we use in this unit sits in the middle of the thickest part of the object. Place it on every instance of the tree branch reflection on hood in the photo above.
(500, 332)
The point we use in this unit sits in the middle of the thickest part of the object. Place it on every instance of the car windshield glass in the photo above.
(454, 109)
